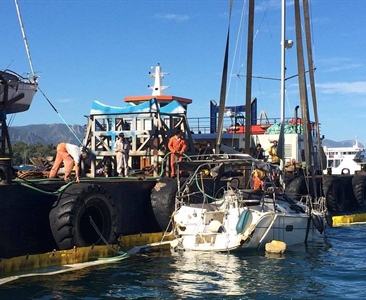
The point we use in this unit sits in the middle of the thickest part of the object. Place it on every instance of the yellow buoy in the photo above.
(276, 247)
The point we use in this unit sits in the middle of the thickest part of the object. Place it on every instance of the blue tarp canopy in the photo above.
(150, 106)
(173, 107)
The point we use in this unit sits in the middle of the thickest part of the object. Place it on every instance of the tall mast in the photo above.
(223, 87)
(309, 157)
(285, 44)
(283, 68)
(321, 162)
(281, 138)
(25, 40)
(248, 86)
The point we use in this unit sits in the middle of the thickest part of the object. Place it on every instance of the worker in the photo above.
(273, 153)
(71, 156)
(177, 146)
(258, 179)
(122, 149)
(258, 152)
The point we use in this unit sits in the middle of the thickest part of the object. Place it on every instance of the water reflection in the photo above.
(206, 272)
(246, 273)
(328, 270)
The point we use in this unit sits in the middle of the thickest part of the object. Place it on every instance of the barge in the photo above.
(43, 216)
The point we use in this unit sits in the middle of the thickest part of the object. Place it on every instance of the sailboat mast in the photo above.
(283, 67)
(248, 95)
(25, 39)
(220, 124)
(281, 138)
(321, 163)
(303, 92)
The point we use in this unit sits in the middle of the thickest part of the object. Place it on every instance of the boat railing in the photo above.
(203, 125)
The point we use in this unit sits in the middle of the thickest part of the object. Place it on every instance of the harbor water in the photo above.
(335, 269)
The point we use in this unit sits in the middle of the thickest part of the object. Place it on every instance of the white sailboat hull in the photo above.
(201, 229)
(16, 87)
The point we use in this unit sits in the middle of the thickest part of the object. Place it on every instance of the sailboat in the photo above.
(16, 92)
(218, 206)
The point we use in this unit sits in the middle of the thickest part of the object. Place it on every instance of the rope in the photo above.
(98, 231)
(100, 234)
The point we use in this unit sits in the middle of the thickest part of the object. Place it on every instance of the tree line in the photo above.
(22, 152)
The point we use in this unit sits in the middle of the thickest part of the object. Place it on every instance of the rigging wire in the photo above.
(234, 58)
(236, 44)
(312, 34)
(241, 66)
(12, 117)
(237, 55)
(32, 69)
(63, 120)
(223, 85)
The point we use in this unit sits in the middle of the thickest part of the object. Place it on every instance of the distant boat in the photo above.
(25, 167)
(16, 92)
(344, 160)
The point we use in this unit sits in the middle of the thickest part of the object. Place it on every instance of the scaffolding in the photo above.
(147, 126)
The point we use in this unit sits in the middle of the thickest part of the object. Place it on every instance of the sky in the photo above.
(84, 50)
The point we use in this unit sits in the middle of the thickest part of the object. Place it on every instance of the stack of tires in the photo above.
(343, 193)
(359, 189)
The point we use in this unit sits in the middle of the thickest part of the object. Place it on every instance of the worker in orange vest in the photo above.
(258, 179)
(177, 146)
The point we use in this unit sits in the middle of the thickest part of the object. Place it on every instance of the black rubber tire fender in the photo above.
(163, 201)
(335, 194)
(318, 222)
(75, 216)
(351, 203)
(297, 187)
(359, 189)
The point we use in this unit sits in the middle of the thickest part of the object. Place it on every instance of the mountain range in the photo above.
(47, 134)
